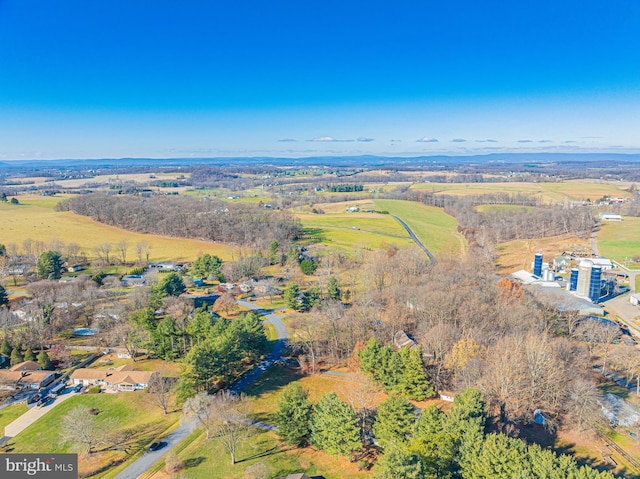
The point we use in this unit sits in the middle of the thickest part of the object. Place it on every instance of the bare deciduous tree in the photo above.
(224, 415)
(81, 428)
(160, 389)
(122, 246)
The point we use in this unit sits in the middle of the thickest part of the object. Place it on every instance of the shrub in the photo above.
(94, 390)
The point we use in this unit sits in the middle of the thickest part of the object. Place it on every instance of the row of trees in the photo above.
(16, 356)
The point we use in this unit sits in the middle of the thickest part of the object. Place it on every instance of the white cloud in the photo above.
(427, 139)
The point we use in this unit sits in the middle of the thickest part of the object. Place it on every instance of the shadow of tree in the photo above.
(269, 452)
(194, 461)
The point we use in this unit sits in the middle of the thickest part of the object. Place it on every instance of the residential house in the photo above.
(14, 380)
(402, 339)
(26, 366)
(124, 378)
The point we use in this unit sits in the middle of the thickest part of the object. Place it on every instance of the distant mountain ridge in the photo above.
(367, 161)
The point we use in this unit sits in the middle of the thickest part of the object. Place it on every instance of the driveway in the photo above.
(32, 415)
(150, 458)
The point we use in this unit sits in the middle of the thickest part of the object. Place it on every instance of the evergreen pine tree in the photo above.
(294, 415)
(5, 348)
(395, 421)
(334, 426)
(396, 463)
(333, 289)
(274, 246)
(413, 381)
(4, 298)
(291, 295)
(28, 355)
(44, 360)
(16, 357)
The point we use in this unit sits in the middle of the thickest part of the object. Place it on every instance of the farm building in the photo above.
(133, 280)
(610, 217)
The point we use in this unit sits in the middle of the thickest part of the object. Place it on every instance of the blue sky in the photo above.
(87, 79)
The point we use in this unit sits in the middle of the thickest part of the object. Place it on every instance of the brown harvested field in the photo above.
(556, 192)
(140, 178)
(36, 219)
(518, 254)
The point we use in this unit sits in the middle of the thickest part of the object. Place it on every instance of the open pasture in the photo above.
(620, 240)
(436, 229)
(549, 192)
(365, 230)
(36, 219)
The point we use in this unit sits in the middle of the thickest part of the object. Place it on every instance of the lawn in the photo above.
(36, 219)
(141, 364)
(620, 240)
(436, 229)
(131, 411)
(207, 459)
(10, 413)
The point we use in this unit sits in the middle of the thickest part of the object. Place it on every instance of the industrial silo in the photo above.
(573, 280)
(594, 284)
(584, 278)
(537, 264)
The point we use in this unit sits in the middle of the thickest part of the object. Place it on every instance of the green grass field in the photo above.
(620, 240)
(436, 229)
(11, 413)
(130, 411)
(372, 231)
(549, 192)
(36, 219)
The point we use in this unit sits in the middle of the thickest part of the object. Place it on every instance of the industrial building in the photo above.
(582, 291)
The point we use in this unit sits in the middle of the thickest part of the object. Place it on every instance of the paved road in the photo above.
(417, 241)
(150, 458)
(626, 313)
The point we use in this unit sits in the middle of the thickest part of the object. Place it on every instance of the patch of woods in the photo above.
(534, 219)
(468, 329)
(183, 216)
(400, 441)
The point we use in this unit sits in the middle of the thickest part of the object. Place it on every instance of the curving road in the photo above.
(149, 458)
(416, 240)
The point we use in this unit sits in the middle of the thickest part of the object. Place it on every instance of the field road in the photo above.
(415, 238)
(32, 415)
(149, 458)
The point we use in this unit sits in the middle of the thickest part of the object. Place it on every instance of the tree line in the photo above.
(187, 217)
